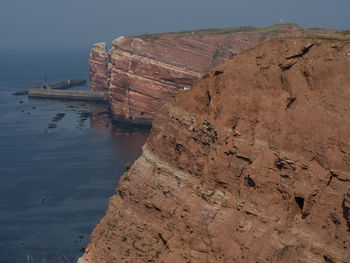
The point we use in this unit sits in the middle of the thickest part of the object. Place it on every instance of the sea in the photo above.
(60, 161)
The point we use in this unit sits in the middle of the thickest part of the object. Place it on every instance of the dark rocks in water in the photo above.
(57, 118)
(22, 92)
(83, 117)
(20, 101)
(52, 126)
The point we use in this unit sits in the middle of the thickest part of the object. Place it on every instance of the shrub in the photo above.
(128, 166)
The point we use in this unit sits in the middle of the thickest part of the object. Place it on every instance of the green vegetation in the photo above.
(279, 231)
(322, 37)
(84, 115)
(219, 53)
(286, 248)
(235, 30)
(114, 225)
(317, 28)
(127, 178)
(138, 237)
(150, 37)
(128, 166)
(231, 31)
(223, 31)
(107, 232)
(283, 253)
(179, 92)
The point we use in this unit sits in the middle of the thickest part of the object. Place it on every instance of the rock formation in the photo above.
(98, 68)
(143, 72)
(250, 165)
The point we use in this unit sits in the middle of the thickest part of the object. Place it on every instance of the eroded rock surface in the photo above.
(251, 165)
(98, 68)
(143, 72)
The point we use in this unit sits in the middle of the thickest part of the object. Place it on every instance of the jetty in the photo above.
(64, 84)
(59, 90)
(48, 93)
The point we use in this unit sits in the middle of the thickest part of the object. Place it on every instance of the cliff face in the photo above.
(143, 72)
(98, 68)
(251, 165)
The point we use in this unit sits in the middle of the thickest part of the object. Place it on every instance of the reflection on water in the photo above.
(100, 117)
(60, 162)
(130, 137)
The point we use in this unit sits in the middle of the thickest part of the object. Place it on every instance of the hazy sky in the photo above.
(27, 23)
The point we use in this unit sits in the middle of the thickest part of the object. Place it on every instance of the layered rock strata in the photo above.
(143, 72)
(251, 165)
(98, 68)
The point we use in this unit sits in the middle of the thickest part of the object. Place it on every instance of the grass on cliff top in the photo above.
(233, 30)
(273, 29)
(343, 37)
(223, 31)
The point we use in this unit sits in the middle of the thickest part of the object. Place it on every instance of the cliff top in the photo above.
(143, 72)
(250, 30)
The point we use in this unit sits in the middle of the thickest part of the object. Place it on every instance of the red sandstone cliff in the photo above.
(251, 165)
(142, 72)
(98, 68)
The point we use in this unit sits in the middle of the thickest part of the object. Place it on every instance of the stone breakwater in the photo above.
(141, 73)
(250, 165)
(84, 95)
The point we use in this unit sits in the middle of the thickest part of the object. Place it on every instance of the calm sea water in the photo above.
(56, 174)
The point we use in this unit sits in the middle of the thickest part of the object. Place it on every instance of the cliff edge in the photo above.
(250, 165)
(141, 73)
(98, 68)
